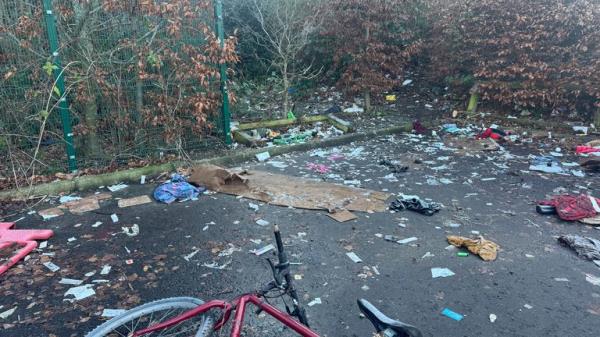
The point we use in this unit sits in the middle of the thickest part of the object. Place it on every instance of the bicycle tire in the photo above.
(186, 303)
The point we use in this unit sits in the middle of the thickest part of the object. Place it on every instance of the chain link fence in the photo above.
(100, 84)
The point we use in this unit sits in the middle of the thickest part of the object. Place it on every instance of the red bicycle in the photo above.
(185, 316)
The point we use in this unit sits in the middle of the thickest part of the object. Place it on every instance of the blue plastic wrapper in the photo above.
(177, 189)
(454, 315)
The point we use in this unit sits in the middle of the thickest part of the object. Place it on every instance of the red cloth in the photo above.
(570, 207)
(495, 134)
(586, 149)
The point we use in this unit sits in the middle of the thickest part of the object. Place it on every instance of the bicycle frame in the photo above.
(239, 307)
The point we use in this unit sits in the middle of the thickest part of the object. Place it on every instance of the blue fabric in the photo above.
(177, 189)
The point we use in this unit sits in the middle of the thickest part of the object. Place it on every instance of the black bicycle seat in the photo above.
(386, 324)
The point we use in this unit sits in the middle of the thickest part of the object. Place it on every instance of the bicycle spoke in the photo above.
(187, 328)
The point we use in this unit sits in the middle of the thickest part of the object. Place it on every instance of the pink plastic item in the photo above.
(22, 237)
(586, 149)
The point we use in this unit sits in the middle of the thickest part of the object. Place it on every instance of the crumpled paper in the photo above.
(486, 249)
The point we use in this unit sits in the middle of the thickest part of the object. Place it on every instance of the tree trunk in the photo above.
(367, 91)
(84, 19)
(367, 101)
(597, 119)
(286, 90)
(139, 106)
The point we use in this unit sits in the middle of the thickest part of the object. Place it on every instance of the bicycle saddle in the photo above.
(388, 326)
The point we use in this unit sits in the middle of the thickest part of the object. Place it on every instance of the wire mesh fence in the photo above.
(141, 82)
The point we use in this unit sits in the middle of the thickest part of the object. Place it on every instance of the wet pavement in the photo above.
(535, 288)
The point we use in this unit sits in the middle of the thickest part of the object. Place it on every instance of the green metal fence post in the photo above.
(63, 104)
(225, 113)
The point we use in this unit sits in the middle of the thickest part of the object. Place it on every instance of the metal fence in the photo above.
(104, 83)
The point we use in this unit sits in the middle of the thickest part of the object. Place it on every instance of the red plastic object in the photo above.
(22, 237)
(586, 149)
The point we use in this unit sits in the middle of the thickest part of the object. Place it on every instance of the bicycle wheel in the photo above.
(156, 312)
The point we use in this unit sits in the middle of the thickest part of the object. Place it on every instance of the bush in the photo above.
(373, 41)
(541, 54)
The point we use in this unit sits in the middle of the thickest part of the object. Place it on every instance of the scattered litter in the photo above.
(587, 247)
(365, 287)
(406, 82)
(97, 224)
(131, 231)
(68, 198)
(342, 216)
(407, 240)
(227, 252)
(114, 218)
(354, 257)
(561, 279)
(43, 244)
(585, 149)
(277, 164)
(527, 306)
(595, 280)
(354, 109)
(215, 265)
(143, 199)
(283, 190)
(80, 293)
(70, 281)
(428, 254)
(129, 261)
(581, 129)
(261, 251)
(462, 254)
(394, 168)
(105, 269)
(452, 224)
(319, 168)
(177, 189)
(110, 313)
(50, 213)
(90, 274)
(441, 272)
(486, 249)
(493, 318)
(142, 180)
(263, 156)
(253, 207)
(191, 255)
(118, 187)
(314, 302)
(451, 314)
(53, 268)
(546, 164)
(262, 222)
(571, 208)
(6, 314)
(87, 204)
(414, 203)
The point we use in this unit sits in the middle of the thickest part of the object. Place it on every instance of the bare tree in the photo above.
(284, 29)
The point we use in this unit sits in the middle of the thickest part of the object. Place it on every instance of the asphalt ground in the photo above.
(490, 192)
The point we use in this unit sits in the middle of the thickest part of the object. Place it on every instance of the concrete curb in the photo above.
(133, 175)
